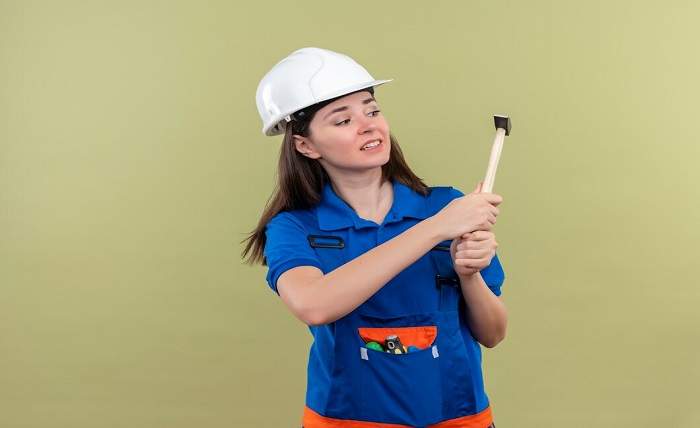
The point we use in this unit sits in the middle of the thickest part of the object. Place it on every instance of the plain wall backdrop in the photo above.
(132, 165)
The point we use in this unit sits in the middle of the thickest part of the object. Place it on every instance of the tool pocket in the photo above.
(404, 388)
(418, 338)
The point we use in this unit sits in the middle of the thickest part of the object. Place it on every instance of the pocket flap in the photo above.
(420, 336)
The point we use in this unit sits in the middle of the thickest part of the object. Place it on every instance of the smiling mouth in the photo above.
(373, 144)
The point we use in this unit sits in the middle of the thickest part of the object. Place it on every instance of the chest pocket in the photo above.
(446, 279)
(331, 250)
(442, 262)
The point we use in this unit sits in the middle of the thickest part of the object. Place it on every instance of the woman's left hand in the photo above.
(473, 251)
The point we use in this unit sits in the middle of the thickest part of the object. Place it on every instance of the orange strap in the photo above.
(479, 420)
(312, 419)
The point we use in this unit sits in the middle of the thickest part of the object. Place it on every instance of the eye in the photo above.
(372, 114)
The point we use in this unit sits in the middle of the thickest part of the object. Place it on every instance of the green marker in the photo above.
(376, 346)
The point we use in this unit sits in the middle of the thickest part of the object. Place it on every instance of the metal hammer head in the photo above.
(502, 122)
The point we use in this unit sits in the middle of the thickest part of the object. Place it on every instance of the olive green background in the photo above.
(132, 165)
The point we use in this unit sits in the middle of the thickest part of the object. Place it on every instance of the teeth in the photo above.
(373, 144)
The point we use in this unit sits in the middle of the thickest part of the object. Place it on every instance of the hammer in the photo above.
(503, 126)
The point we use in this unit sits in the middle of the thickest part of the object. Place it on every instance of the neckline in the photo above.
(389, 213)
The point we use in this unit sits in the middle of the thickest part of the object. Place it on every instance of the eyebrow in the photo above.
(367, 101)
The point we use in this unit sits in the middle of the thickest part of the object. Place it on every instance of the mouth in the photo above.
(372, 145)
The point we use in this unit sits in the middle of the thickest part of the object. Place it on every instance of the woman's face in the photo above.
(340, 131)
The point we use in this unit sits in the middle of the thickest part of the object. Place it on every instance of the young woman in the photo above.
(398, 282)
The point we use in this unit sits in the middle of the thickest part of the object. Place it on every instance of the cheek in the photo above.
(341, 141)
(383, 125)
(337, 146)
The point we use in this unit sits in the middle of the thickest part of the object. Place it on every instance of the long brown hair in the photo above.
(300, 180)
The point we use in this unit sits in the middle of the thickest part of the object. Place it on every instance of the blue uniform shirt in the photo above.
(412, 291)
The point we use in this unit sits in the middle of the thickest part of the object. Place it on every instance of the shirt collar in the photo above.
(334, 213)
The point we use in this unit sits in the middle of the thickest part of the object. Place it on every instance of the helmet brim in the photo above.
(279, 125)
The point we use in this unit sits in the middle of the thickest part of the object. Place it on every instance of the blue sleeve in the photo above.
(455, 193)
(493, 273)
(286, 247)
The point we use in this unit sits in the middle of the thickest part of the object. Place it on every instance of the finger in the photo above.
(465, 245)
(473, 254)
(463, 262)
(479, 263)
(493, 198)
(481, 235)
(469, 245)
(470, 263)
(474, 244)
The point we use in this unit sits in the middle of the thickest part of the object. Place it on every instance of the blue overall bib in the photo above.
(350, 384)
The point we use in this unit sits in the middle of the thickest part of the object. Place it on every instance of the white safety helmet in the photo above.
(305, 77)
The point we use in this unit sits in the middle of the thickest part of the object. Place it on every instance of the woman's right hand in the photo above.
(475, 211)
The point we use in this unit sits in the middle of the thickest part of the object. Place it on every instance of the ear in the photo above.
(305, 147)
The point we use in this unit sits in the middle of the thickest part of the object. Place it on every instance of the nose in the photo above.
(367, 124)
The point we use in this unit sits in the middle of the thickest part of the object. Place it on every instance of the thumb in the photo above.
(478, 187)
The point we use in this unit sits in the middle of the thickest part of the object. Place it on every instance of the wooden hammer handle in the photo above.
(493, 161)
